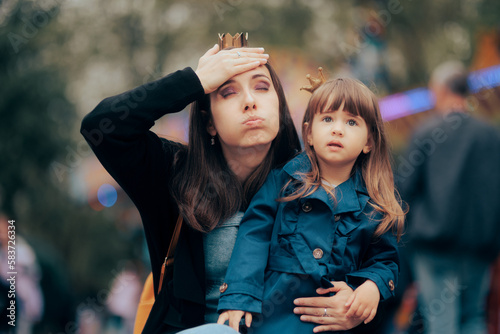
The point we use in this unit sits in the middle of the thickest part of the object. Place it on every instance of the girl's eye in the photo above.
(327, 119)
(352, 122)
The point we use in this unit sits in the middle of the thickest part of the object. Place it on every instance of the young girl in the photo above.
(336, 219)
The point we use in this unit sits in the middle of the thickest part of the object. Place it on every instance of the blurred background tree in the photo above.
(59, 58)
(37, 145)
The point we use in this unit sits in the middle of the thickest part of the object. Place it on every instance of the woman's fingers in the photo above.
(312, 301)
(337, 287)
(213, 50)
(331, 323)
(252, 52)
(318, 320)
(243, 60)
(327, 328)
(313, 311)
(247, 67)
(323, 291)
(216, 67)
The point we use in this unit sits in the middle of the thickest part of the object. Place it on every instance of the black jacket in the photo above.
(118, 132)
(450, 177)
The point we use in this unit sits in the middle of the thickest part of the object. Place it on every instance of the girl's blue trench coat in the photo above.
(286, 250)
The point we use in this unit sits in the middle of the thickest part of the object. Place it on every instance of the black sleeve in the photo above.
(118, 132)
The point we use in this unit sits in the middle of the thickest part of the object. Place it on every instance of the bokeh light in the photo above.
(107, 195)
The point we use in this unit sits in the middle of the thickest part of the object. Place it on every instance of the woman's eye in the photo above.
(352, 122)
(262, 86)
(227, 91)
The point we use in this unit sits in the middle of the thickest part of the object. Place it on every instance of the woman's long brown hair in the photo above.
(355, 97)
(206, 190)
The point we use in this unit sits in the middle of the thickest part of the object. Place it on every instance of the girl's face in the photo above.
(338, 138)
(245, 112)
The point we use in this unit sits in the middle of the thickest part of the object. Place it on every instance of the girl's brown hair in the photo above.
(375, 166)
(206, 190)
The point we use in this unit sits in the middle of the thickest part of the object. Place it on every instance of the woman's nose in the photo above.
(249, 101)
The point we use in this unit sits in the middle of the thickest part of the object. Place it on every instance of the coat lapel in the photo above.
(352, 194)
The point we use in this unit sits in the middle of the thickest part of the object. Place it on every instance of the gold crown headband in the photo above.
(314, 82)
(237, 41)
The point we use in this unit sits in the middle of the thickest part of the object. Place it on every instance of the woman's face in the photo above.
(245, 111)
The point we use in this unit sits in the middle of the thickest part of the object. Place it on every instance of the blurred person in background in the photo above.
(122, 300)
(451, 182)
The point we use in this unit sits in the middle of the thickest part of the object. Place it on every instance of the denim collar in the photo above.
(351, 195)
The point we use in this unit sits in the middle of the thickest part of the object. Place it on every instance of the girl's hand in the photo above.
(364, 301)
(234, 317)
(312, 309)
(216, 67)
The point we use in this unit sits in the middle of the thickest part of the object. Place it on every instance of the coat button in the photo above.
(337, 218)
(391, 285)
(318, 253)
(223, 287)
(306, 207)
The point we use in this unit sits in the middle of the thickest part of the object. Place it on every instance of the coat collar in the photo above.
(351, 195)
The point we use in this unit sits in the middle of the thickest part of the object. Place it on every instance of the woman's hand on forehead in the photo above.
(216, 67)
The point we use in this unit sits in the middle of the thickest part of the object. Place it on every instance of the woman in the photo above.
(240, 128)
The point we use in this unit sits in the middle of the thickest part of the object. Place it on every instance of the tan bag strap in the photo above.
(169, 259)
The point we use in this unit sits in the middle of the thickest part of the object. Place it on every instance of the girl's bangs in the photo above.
(350, 95)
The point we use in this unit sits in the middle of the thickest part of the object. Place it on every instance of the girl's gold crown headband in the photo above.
(314, 82)
(237, 41)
